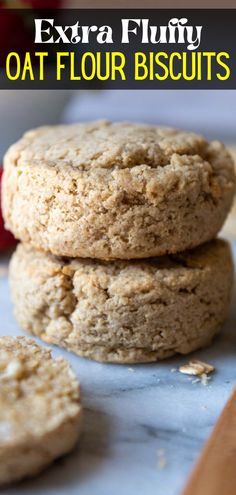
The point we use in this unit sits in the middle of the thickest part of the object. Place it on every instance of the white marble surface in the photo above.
(207, 112)
(130, 415)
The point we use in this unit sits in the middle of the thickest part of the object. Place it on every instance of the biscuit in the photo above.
(124, 311)
(40, 408)
(116, 190)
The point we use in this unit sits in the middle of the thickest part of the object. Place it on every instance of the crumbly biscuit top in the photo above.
(108, 145)
(37, 393)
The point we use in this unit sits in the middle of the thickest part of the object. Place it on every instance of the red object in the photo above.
(35, 4)
(40, 4)
(14, 33)
(6, 238)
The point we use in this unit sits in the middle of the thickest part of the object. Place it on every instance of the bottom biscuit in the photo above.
(124, 311)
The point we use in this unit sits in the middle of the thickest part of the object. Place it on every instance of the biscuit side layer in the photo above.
(124, 311)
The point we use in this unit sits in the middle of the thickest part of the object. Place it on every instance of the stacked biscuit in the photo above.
(118, 260)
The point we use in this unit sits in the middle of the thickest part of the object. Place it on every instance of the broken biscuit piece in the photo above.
(40, 408)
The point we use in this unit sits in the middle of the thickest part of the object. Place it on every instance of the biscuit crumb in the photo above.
(131, 369)
(173, 370)
(196, 380)
(205, 379)
(196, 368)
(162, 462)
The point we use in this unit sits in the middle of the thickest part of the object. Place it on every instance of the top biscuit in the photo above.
(116, 190)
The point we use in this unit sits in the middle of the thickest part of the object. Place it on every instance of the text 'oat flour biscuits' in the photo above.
(124, 311)
(40, 409)
(120, 190)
